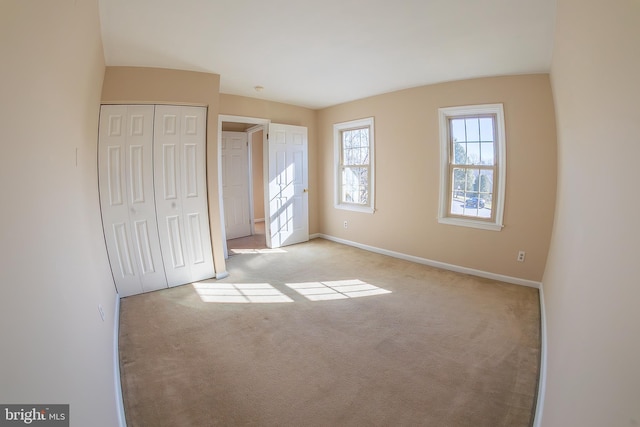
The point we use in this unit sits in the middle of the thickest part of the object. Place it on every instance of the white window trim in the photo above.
(337, 145)
(501, 160)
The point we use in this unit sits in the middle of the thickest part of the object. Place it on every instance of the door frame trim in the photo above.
(250, 132)
(236, 119)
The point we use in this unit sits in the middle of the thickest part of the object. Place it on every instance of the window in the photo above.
(353, 143)
(472, 169)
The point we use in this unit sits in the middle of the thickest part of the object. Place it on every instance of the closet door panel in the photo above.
(181, 203)
(142, 212)
(124, 260)
(195, 208)
(127, 199)
(167, 161)
(112, 148)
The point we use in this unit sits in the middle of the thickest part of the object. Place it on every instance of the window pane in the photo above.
(355, 148)
(355, 138)
(463, 180)
(473, 153)
(458, 190)
(356, 156)
(364, 156)
(485, 184)
(351, 156)
(473, 129)
(355, 185)
(486, 129)
(363, 137)
(476, 207)
(457, 130)
(457, 205)
(472, 180)
(347, 139)
(460, 154)
(472, 192)
(486, 154)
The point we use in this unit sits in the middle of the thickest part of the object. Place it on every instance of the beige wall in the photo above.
(407, 175)
(234, 105)
(591, 284)
(129, 85)
(53, 269)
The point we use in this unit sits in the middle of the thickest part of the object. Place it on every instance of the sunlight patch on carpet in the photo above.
(336, 289)
(239, 293)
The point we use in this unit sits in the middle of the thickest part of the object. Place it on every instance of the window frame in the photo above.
(446, 164)
(338, 129)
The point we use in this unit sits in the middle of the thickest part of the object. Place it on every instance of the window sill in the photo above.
(492, 226)
(356, 208)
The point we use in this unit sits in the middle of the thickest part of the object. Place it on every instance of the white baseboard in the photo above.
(542, 376)
(116, 364)
(432, 263)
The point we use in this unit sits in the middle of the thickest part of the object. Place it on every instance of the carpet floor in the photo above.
(323, 334)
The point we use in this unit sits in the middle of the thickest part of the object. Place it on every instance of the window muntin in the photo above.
(472, 166)
(354, 165)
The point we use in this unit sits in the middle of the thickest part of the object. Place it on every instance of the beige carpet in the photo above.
(364, 340)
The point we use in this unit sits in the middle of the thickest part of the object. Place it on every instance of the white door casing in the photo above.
(287, 201)
(235, 184)
(180, 189)
(125, 157)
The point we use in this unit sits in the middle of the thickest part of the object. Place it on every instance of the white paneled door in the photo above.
(125, 156)
(288, 198)
(153, 195)
(181, 198)
(235, 184)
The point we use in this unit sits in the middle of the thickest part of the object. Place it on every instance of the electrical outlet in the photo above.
(101, 310)
(521, 255)
(346, 225)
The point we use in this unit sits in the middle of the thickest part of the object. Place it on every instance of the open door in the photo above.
(235, 184)
(287, 202)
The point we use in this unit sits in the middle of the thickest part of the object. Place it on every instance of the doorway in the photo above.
(285, 185)
(242, 182)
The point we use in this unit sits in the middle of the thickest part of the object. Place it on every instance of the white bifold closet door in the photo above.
(153, 196)
(181, 198)
(125, 157)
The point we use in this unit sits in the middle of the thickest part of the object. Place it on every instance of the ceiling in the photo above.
(322, 53)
